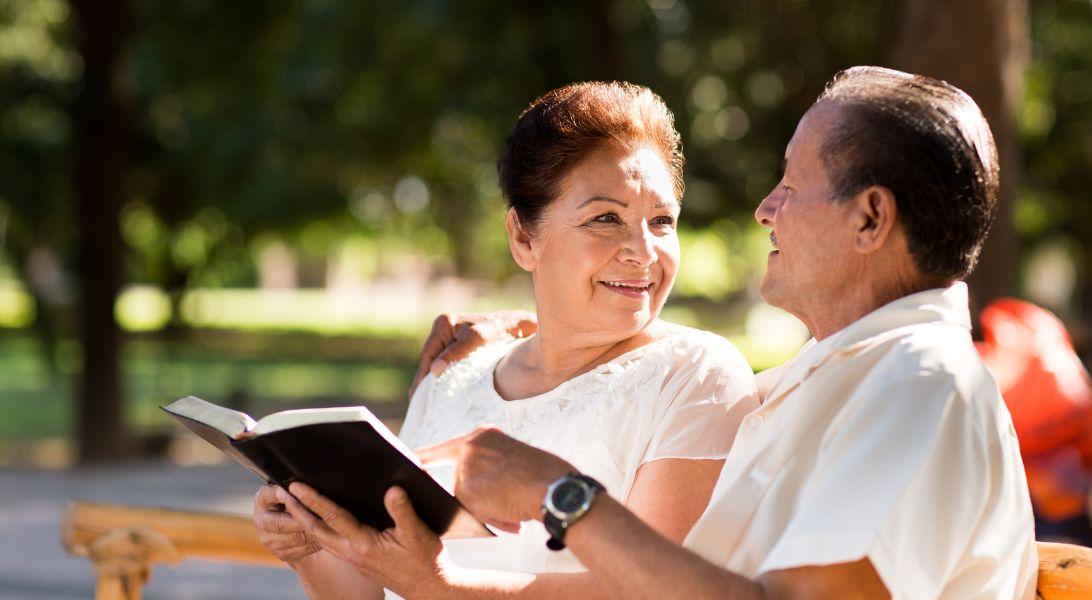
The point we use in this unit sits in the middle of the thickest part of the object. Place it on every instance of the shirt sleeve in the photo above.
(710, 391)
(883, 487)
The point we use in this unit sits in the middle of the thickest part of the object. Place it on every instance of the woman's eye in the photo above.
(606, 218)
(664, 221)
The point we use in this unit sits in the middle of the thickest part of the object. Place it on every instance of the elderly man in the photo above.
(882, 461)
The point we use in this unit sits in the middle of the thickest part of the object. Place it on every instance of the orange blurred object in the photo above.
(1049, 394)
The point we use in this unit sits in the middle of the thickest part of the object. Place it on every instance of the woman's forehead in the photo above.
(618, 172)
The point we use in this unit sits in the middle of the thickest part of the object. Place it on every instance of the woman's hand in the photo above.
(405, 558)
(454, 337)
(279, 531)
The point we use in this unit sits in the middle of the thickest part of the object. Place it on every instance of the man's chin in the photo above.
(769, 292)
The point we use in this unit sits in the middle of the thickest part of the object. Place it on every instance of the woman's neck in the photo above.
(555, 355)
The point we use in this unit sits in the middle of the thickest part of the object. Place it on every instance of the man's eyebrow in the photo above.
(668, 204)
(603, 199)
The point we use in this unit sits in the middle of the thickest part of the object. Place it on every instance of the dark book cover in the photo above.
(350, 463)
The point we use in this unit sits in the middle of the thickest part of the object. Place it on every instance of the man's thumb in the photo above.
(401, 511)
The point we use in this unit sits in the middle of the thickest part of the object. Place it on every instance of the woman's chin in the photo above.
(631, 323)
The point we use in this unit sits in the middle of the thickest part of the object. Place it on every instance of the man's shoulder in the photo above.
(941, 360)
(935, 350)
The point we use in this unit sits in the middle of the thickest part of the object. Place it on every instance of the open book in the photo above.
(347, 454)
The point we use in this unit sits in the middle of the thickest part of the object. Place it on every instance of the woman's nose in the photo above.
(640, 246)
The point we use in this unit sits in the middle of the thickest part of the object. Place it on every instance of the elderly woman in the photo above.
(593, 176)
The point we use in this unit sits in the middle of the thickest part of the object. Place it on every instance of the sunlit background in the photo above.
(283, 194)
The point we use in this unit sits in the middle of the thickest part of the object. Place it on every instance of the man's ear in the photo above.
(519, 241)
(874, 216)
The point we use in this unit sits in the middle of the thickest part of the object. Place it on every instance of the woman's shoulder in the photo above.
(691, 352)
(690, 343)
(464, 375)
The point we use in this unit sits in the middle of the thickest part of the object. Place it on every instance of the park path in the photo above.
(34, 566)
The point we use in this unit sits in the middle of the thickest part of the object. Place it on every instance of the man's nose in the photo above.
(766, 210)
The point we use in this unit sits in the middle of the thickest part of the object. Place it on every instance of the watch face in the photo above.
(569, 497)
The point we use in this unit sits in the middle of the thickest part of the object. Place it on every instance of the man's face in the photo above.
(812, 235)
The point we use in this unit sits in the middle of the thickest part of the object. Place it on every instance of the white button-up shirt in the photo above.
(889, 441)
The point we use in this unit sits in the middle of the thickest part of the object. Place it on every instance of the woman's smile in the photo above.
(630, 288)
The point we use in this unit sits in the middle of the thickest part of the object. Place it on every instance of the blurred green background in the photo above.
(266, 203)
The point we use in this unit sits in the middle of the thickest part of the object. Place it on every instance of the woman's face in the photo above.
(604, 255)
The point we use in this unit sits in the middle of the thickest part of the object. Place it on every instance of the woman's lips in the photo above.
(629, 289)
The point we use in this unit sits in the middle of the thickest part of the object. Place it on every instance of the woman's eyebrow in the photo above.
(603, 199)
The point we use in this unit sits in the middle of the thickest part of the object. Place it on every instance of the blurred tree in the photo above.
(1055, 122)
(101, 139)
(226, 125)
(982, 46)
(39, 71)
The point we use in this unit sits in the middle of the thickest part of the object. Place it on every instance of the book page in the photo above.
(226, 421)
(310, 416)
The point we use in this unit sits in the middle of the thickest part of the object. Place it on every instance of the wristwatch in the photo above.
(567, 499)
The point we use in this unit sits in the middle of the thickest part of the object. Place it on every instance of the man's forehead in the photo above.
(810, 132)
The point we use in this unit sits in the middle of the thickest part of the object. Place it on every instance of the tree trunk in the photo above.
(101, 144)
(604, 42)
(982, 47)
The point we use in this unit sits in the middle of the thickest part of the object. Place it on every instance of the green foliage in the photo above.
(39, 71)
(1056, 125)
(364, 134)
(317, 119)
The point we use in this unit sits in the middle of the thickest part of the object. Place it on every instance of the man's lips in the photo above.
(773, 242)
(631, 288)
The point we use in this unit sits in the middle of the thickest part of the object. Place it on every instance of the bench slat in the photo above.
(194, 534)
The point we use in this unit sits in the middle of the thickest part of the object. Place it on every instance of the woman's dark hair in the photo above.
(927, 142)
(564, 126)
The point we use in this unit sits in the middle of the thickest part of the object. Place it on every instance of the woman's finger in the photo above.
(266, 498)
(310, 523)
(276, 522)
(336, 518)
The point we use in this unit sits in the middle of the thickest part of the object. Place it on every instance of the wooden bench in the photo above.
(123, 542)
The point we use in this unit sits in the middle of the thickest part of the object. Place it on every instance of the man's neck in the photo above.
(859, 300)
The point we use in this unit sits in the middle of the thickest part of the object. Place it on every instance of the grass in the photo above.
(35, 403)
(328, 354)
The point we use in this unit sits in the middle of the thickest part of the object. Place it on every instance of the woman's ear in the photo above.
(875, 213)
(519, 241)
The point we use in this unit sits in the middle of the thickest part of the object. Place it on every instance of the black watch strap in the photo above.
(556, 525)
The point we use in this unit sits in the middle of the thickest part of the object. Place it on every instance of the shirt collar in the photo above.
(947, 305)
(939, 305)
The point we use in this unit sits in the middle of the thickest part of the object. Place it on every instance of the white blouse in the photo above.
(677, 397)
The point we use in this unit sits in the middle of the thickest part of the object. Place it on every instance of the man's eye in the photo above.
(664, 221)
